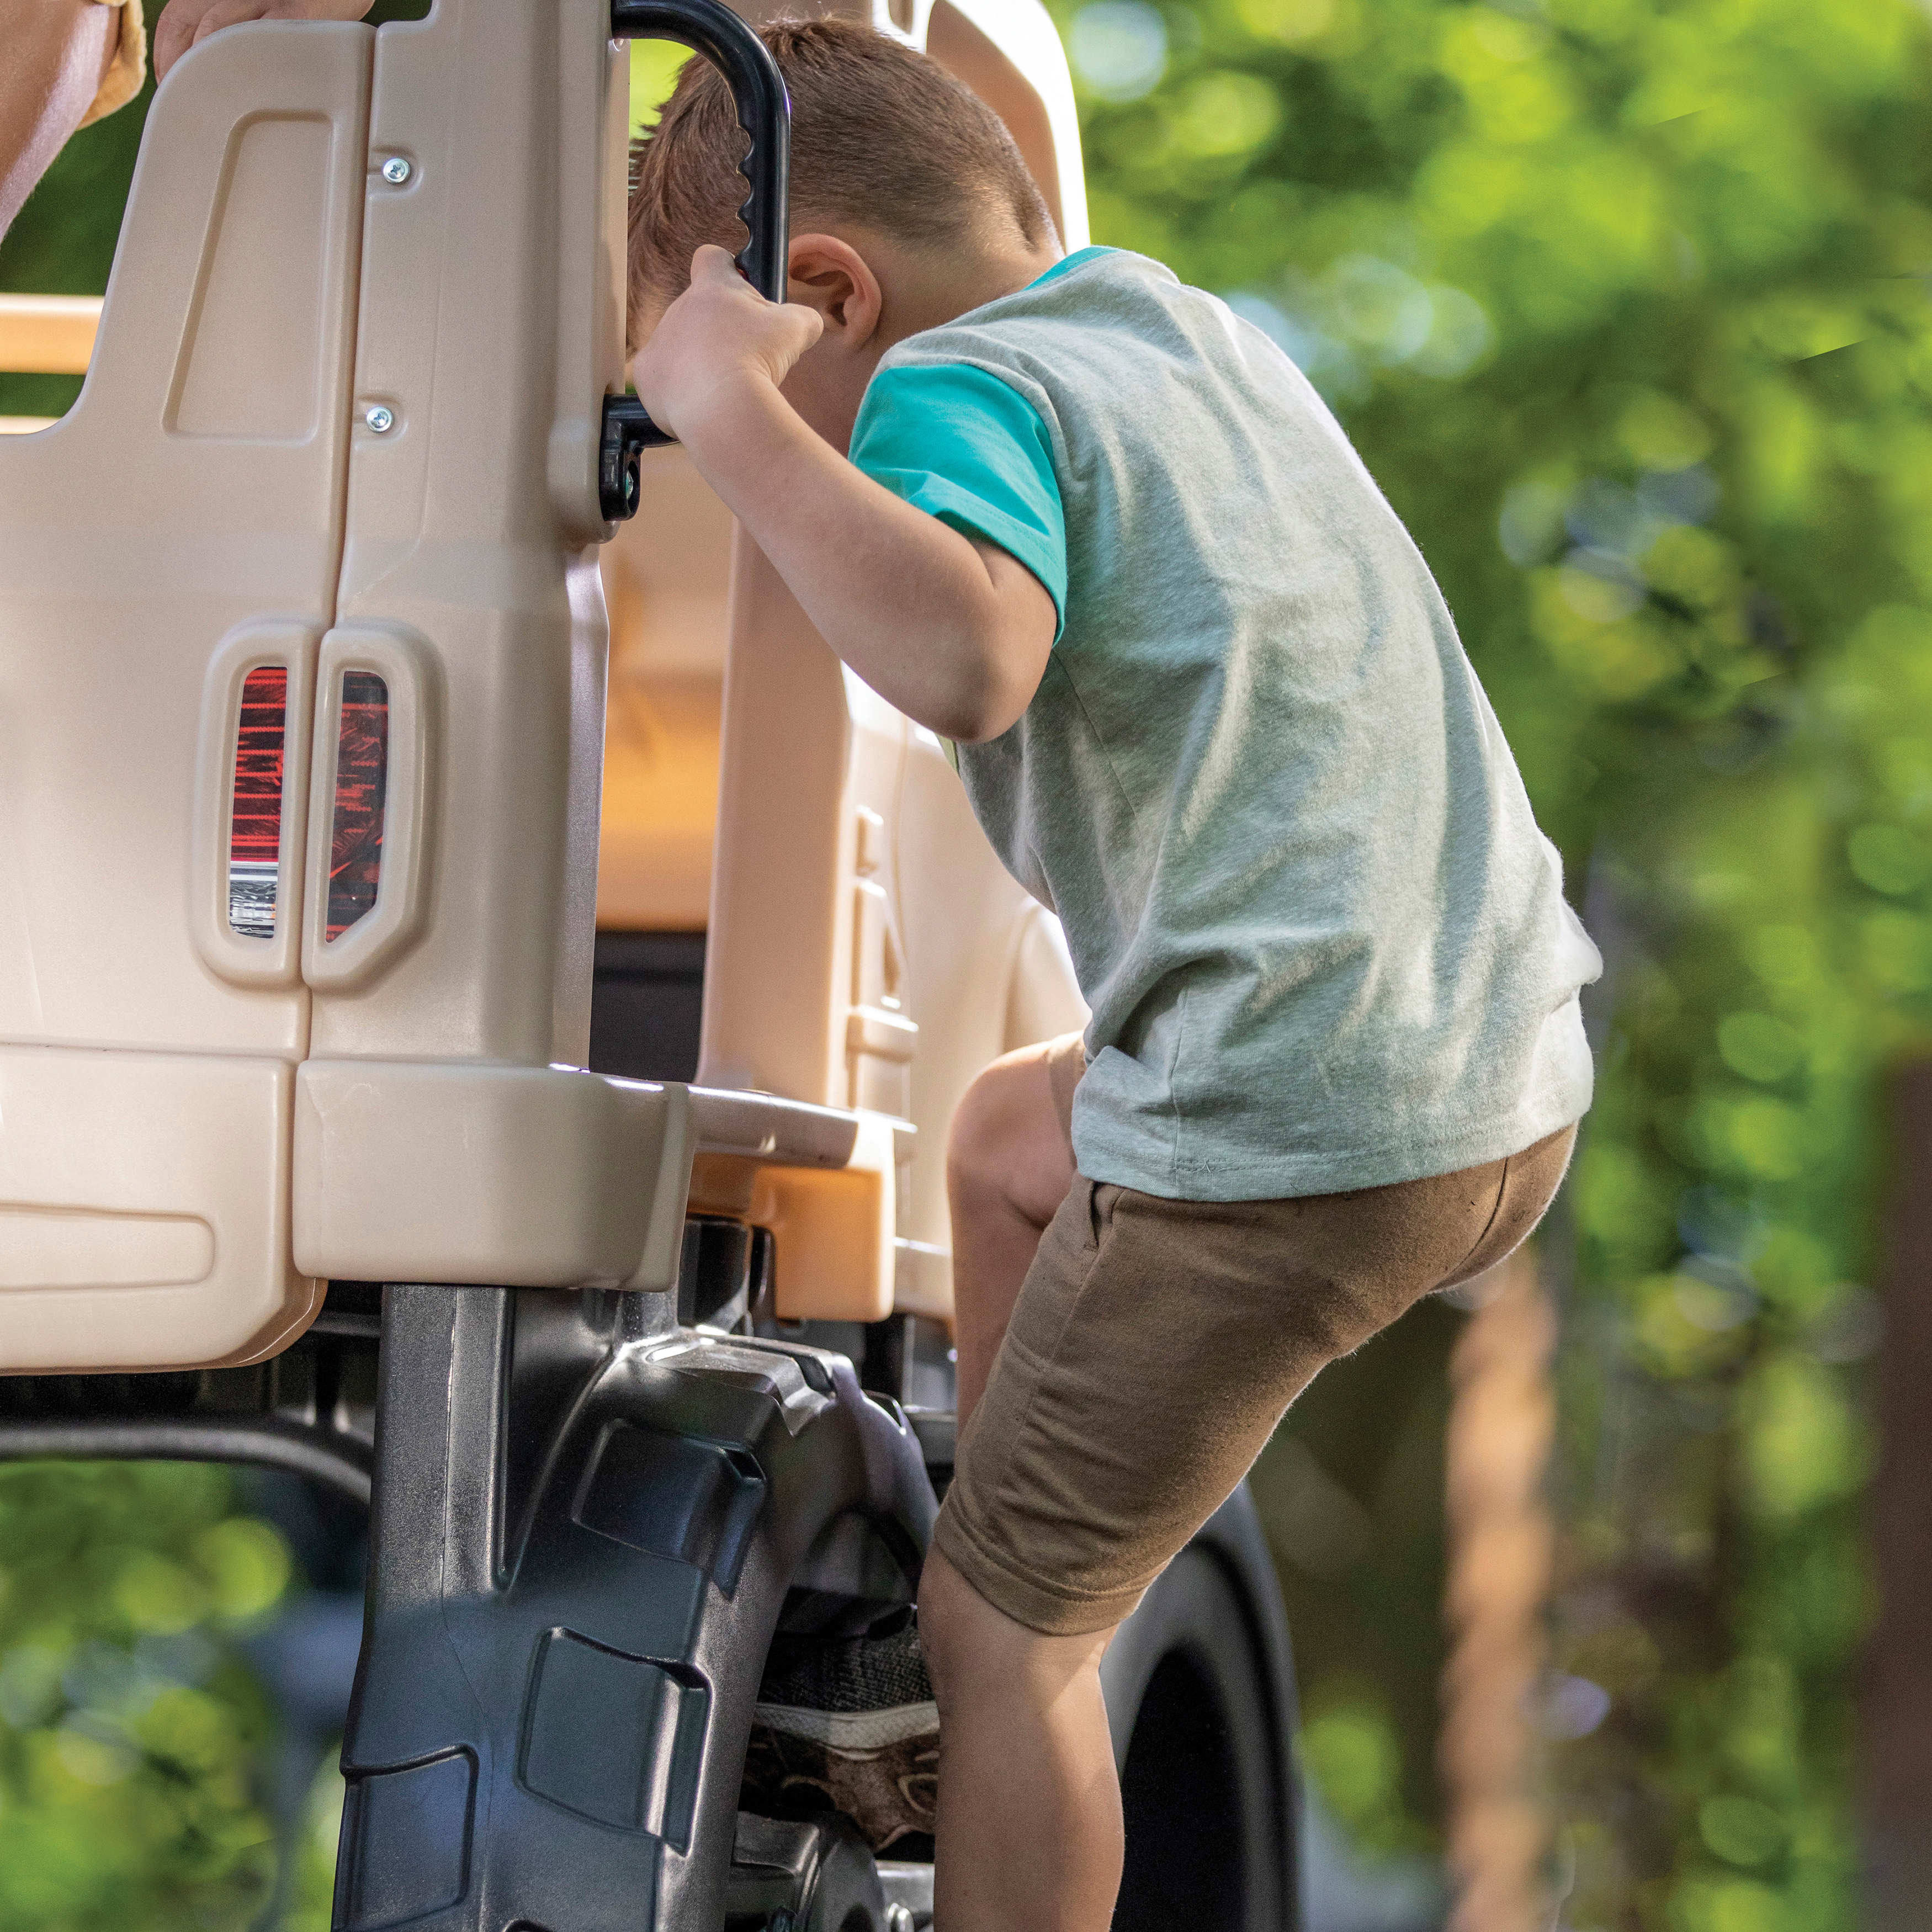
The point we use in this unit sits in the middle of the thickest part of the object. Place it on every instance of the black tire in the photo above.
(1200, 1697)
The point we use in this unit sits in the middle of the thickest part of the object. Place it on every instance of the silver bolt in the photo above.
(898, 1918)
(395, 171)
(379, 418)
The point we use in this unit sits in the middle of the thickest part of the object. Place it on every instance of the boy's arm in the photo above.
(952, 631)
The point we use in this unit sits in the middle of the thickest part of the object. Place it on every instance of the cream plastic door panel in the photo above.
(489, 332)
(777, 963)
(444, 1129)
(986, 970)
(195, 486)
(180, 528)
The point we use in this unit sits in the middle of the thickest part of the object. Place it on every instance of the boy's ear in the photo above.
(830, 275)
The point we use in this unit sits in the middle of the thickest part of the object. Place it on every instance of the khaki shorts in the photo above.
(1155, 1346)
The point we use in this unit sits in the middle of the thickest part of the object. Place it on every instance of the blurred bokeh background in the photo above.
(1625, 304)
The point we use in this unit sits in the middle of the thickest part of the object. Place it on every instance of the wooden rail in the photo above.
(47, 335)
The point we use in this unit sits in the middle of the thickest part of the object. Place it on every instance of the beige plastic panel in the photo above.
(490, 330)
(442, 1131)
(128, 552)
(185, 511)
(665, 575)
(254, 338)
(144, 1210)
(987, 971)
(665, 572)
(423, 1173)
(867, 949)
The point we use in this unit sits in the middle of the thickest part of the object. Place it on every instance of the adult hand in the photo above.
(186, 23)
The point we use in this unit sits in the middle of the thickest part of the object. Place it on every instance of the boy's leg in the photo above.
(1026, 1761)
(1029, 1834)
(1009, 1164)
(1153, 1348)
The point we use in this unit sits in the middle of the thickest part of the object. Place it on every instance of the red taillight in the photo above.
(255, 818)
(361, 774)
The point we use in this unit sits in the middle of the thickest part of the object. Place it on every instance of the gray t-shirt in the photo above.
(1325, 946)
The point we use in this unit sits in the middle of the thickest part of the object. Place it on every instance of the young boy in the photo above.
(1210, 707)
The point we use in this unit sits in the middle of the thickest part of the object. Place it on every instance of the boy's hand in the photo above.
(186, 23)
(952, 630)
(719, 337)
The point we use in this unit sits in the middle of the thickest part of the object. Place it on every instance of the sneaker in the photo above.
(849, 1727)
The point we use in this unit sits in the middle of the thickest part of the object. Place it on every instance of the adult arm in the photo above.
(57, 53)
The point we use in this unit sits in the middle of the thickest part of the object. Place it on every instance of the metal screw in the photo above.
(379, 418)
(898, 1918)
(395, 171)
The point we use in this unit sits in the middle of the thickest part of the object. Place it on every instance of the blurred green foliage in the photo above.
(1625, 303)
(131, 1728)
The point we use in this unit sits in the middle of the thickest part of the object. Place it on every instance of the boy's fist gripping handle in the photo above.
(709, 27)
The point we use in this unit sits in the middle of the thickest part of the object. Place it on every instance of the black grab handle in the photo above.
(709, 27)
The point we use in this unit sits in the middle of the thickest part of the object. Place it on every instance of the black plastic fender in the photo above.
(587, 1524)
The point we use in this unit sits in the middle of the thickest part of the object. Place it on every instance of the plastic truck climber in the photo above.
(364, 667)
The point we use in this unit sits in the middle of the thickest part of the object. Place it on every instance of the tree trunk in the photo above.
(1500, 1554)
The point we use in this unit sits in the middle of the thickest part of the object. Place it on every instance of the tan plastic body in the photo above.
(192, 496)
(197, 1124)
(344, 424)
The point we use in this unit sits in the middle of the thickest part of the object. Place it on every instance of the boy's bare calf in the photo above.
(1030, 1834)
(1177, 1329)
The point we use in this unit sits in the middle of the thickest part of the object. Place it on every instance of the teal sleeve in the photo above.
(957, 442)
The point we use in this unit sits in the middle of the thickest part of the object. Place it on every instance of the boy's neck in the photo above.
(925, 288)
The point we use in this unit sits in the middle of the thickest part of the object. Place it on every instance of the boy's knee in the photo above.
(974, 1649)
(1006, 1136)
(983, 1121)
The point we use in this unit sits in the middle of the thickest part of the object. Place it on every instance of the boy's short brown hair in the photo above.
(883, 138)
